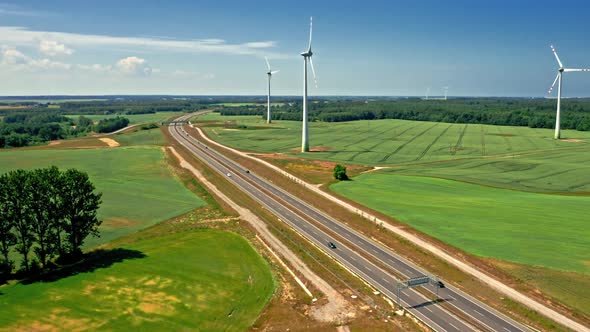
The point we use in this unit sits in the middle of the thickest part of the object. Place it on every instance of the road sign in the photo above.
(418, 281)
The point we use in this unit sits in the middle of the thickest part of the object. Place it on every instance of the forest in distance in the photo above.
(533, 113)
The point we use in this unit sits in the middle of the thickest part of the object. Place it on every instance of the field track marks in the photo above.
(379, 143)
(505, 137)
(423, 153)
(483, 141)
(376, 135)
(408, 142)
(459, 143)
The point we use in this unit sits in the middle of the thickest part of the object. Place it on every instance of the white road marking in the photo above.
(427, 309)
(456, 328)
(478, 312)
(507, 329)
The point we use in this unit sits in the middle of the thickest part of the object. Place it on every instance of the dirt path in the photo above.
(337, 309)
(110, 142)
(463, 266)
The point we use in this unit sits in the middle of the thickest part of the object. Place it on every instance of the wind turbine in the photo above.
(306, 57)
(269, 73)
(559, 78)
(446, 89)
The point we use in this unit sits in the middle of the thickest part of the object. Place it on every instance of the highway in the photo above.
(375, 264)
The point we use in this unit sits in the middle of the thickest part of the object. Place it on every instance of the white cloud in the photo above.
(20, 36)
(134, 66)
(12, 56)
(53, 48)
(16, 60)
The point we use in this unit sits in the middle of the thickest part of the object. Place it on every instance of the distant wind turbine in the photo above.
(559, 78)
(269, 73)
(307, 56)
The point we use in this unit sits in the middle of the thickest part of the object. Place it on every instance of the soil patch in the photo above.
(572, 140)
(314, 149)
(110, 142)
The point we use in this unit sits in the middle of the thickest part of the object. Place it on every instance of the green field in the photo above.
(205, 280)
(138, 188)
(387, 142)
(515, 226)
(133, 118)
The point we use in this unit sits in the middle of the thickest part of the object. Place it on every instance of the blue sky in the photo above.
(392, 48)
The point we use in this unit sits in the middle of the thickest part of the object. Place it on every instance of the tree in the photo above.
(17, 212)
(7, 238)
(79, 204)
(340, 172)
(46, 216)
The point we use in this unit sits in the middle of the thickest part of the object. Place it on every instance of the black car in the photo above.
(331, 245)
(440, 284)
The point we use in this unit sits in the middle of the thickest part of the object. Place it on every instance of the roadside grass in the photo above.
(138, 188)
(567, 287)
(203, 278)
(529, 228)
(133, 118)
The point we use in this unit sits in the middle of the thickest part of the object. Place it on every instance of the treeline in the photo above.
(110, 125)
(534, 113)
(47, 213)
(24, 129)
(128, 107)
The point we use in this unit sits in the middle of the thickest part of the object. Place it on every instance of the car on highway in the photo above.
(331, 245)
(229, 175)
(440, 284)
(248, 171)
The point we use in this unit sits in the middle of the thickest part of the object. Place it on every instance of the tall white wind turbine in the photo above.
(306, 57)
(559, 78)
(269, 73)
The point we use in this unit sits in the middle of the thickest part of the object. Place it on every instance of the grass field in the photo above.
(489, 222)
(208, 280)
(138, 188)
(133, 118)
(387, 142)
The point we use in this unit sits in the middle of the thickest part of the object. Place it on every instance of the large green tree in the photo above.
(79, 204)
(18, 212)
(7, 238)
(46, 213)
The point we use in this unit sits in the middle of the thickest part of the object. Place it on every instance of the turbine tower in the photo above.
(559, 78)
(446, 89)
(306, 57)
(269, 73)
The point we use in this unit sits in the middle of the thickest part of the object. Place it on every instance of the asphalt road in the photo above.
(354, 251)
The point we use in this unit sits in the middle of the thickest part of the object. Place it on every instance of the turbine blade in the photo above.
(553, 85)
(274, 72)
(267, 63)
(310, 31)
(313, 71)
(575, 69)
(556, 56)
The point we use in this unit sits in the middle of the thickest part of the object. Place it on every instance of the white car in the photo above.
(229, 174)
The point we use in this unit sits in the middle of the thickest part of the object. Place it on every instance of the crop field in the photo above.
(208, 280)
(133, 118)
(486, 221)
(138, 188)
(386, 142)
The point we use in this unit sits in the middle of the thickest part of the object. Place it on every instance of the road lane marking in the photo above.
(427, 309)
(478, 312)
(456, 328)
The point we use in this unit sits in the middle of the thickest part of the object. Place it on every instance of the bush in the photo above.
(340, 173)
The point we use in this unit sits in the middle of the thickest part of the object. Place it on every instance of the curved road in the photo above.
(319, 228)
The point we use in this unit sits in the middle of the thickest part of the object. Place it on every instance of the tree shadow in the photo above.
(96, 259)
(425, 304)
